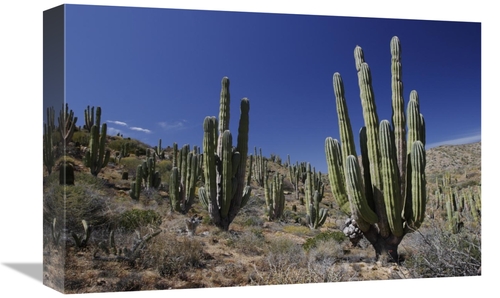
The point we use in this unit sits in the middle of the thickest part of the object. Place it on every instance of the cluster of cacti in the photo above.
(275, 196)
(48, 148)
(389, 200)
(152, 177)
(92, 119)
(136, 186)
(123, 254)
(124, 152)
(66, 124)
(81, 241)
(97, 155)
(259, 167)
(159, 151)
(183, 180)
(314, 192)
(275, 158)
(297, 174)
(226, 189)
(462, 207)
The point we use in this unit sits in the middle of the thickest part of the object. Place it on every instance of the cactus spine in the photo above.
(226, 189)
(389, 200)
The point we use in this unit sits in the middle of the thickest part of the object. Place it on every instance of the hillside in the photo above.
(255, 250)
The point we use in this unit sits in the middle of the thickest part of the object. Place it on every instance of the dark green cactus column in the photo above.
(226, 190)
(97, 156)
(67, 124)
(48, 148)
(388, 200)
(183, 180)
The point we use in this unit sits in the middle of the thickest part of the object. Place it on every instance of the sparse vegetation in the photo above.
(115, 234)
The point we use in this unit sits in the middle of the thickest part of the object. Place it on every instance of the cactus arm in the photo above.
(336, 175)
(371, 123)
(390, 178)
(359, 206)
(398, 115)
(418, 184)
(346, 136)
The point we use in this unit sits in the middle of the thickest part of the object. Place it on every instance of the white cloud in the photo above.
(113, 131)
(117, 122)
(173, 126)
(141, 129)
(458, 141)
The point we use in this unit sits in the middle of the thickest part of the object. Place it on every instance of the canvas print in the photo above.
(208, 149)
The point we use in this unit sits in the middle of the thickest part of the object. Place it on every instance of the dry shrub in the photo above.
(171, 255)
(436, 252)
(248, 242)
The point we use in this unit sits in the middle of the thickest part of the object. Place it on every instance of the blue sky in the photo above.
(156, 73)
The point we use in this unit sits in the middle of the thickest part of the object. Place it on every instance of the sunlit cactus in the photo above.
(226, 189)
(387, 192)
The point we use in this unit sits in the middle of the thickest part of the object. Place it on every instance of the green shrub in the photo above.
(130, 164)
(81, 137)
(84, 200)
(337, 236)
(135, 218)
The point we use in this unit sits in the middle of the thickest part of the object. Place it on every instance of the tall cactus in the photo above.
(314, 192)
(136, 186)
(97, 156)
(48, 148)
(92, 119)
(67, 124)
(388, 200)
(183, 180)
(226, 188)
(274, 195)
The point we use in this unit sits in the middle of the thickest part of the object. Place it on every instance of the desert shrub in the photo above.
(131, 282)
(251, 221)
(248, 242)
(84, 200)
(132, 219)
(171, 255)
(436, 252)
(130, 164)
(326, 251)
(81, 137)
(164, 166)
(297, 230)
(284, 253)
(334, 236)
(287, 263)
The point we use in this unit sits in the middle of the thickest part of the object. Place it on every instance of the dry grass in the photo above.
(254, 251)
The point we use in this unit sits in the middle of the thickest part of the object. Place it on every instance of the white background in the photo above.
(21, 115)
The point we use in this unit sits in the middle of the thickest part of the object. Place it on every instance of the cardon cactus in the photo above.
(48, 148)
(314, 192)
(226, 188)
(67, 124)
(97, 156)
(183, 180)
(275, 197)
(387, 199)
